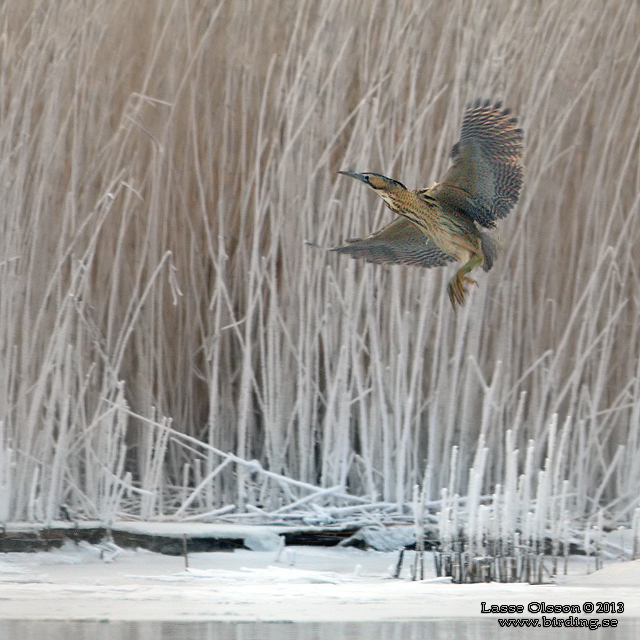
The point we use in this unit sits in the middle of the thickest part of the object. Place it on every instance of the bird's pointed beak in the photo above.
(356, 176)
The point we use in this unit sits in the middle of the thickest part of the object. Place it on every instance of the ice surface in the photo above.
(93, 582)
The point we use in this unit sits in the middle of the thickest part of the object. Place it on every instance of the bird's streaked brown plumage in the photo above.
(438, 225)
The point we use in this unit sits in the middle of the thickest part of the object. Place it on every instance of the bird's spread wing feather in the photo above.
(485, 179)
(400, 242)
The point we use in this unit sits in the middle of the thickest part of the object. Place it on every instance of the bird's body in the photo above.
(439, 225)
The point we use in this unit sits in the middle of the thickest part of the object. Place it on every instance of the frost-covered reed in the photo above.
(170, 347)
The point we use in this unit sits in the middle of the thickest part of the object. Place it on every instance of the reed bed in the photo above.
(171, 348)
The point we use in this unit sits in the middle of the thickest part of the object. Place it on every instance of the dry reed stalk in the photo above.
(161, 166)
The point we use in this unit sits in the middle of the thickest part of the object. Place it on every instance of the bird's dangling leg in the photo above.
(456, 286)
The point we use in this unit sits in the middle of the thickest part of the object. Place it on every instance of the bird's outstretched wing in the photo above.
(400, 242)
(485, 179)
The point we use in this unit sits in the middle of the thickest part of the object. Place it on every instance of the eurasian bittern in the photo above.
(438, 225)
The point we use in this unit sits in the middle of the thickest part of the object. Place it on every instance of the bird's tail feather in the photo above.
(489, 247)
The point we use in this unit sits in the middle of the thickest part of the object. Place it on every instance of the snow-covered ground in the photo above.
(86, 582)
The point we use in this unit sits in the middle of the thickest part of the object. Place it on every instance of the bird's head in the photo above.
(374, 180)
(385, 187)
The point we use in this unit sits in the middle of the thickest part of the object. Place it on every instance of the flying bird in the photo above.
(439, 225)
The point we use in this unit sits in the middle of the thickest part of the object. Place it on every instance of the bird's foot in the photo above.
(457, 289)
